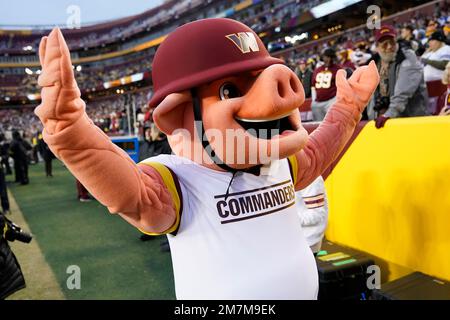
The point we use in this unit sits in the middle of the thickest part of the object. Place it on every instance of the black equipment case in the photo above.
(415, 286)
(342, 273)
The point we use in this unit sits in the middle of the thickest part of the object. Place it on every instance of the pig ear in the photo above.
(169, 114)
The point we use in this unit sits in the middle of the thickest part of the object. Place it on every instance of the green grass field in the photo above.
(114, 263)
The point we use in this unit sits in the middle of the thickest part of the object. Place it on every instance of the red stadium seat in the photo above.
(305, 111)
(436, 89)
(306, 106)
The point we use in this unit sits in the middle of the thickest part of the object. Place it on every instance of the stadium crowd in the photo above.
(262, 16)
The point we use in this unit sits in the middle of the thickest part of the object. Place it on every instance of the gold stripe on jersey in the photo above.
(293, 166)
(169, 182)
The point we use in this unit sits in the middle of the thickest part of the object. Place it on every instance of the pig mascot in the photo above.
(226, 198)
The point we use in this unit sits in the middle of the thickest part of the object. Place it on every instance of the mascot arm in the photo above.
(328, 140)
(138, 193)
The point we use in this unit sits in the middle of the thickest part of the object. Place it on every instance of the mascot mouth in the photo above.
(267, 129)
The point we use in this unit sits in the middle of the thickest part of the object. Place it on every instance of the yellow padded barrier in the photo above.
(390, 195)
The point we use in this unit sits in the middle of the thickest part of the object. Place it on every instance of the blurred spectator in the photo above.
(18, 150)
(46, 154)
(436, 57)
(323, 85)
(304, 73)
(360, 57)
(82, 193)
(431, 28)
(34, 150)
(407, 35)
(4, 154)
(446, 30)
(345, 61)
(444, 101)
(155, 143)
(3, 193)
(402, 91)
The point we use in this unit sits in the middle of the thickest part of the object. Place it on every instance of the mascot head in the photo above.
(222, 100)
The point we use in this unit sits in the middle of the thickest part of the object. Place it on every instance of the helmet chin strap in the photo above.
(205, 142)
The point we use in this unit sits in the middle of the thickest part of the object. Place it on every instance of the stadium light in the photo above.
(78, 68)
(28, 71)
(27, 48)
(38, 71)
(296, 37)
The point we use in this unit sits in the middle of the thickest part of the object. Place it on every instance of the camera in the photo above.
(11, 277)
(381, 104)
(12, 231)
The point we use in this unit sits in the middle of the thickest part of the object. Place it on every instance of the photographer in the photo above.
(18, 149)
(11, 277)
(402, 91)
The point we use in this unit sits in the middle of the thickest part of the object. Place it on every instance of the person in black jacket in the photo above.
(4, 153)
(155, 143)
(46, 154)
(304, 73)
(3, 193)
(18, 150)
(11, 277)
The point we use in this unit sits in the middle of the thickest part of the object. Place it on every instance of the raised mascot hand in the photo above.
(357, 90)
(61, 104)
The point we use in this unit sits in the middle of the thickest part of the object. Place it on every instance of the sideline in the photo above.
(41, 283)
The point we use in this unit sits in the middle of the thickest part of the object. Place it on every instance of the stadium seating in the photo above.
(109, 57)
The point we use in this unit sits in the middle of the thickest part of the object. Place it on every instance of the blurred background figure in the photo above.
(344, 60)
(4, 154)
(18, 151)
(154, 142)
(436, 57)
(443, 108)
(402, 91)
(46, 154)
(407, 34)
(323, 85)
(3, 193)
(304, 73)
(82, 192)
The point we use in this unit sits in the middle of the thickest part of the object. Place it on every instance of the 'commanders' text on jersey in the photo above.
(247, 244)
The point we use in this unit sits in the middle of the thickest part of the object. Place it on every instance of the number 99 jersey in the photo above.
(324, 81)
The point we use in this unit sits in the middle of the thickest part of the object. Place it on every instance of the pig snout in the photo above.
(276, 92)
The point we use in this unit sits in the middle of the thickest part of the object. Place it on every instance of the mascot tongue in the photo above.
(267, 129)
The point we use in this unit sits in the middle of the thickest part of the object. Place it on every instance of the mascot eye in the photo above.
(228, 91)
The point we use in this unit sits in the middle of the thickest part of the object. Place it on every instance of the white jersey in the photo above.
(248, 245)
(431, 73)
(312, 208)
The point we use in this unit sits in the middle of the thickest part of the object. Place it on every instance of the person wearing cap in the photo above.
(304, 73)
(402, 91)
(436, 57)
